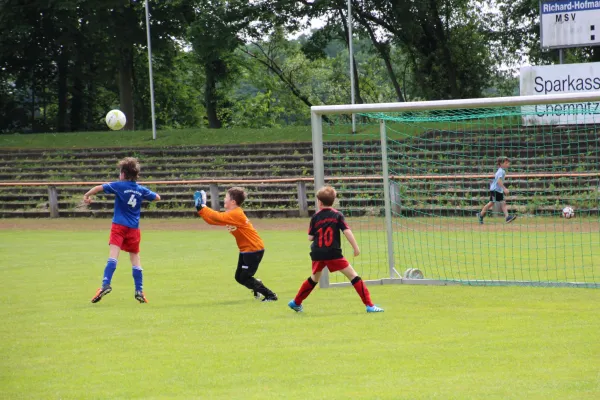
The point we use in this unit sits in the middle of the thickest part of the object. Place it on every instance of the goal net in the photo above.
(413, 178)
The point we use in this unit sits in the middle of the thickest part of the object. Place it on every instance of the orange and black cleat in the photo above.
(139, 296)
(100, 293)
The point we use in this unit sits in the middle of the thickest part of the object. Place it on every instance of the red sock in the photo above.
(307, 287)
(362, 291)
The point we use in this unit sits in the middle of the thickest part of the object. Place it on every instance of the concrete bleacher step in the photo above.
(149, 168)
(451, 155)
(248, 149)
(303, 150)
(165, 160)
(482, 185)
(252, 171)
(412, 158)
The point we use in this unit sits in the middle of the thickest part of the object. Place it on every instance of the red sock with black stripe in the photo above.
(307, 287)
(362, 291)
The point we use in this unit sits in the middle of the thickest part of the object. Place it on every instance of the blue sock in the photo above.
(137, 278)
(109, 270)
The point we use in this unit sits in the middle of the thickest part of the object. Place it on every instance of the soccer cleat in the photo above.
(101, 292)
(510, 218)
(371, 309)
(257, 295)
(271, 297)
(139, 296)
(480, 217)
(298, 308)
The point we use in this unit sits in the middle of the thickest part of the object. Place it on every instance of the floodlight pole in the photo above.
(351, 52)
(150, 71)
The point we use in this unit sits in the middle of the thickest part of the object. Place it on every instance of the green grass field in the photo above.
(202, 336)
(181, 137)
(541, 250)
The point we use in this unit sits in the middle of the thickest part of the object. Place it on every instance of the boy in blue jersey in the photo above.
(497, 192)
(125, 232)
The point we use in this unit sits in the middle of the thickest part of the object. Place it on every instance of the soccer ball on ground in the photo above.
(115, 119)
(568, 212)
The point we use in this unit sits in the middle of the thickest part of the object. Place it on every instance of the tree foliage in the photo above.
(222, 63)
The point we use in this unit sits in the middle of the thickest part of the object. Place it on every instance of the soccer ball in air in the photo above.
(115, 119)
(568, 212)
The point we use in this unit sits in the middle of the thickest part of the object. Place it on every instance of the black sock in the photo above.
(262, 289)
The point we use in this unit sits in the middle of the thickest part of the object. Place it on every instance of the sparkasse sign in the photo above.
(556, 79)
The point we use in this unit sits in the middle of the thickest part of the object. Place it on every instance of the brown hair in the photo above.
(501, 160)
(326, 195)
(130, 167)
(237, 194)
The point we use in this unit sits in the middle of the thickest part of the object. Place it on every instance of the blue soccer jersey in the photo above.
(128, 201)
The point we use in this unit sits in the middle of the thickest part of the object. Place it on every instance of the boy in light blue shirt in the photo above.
(498, 191)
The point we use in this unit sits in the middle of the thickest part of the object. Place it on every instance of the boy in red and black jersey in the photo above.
(325, 227)
(326, 250)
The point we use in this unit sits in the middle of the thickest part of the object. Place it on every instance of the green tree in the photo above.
(178, 84)
(75, 52)
(30, 47)
(215, 35)
(123, 21)
(443, 40)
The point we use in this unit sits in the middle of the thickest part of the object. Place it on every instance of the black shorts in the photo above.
(496, 197)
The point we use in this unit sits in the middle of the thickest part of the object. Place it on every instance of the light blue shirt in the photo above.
(500, 174)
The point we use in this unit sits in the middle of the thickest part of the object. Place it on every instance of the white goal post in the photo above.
(394, 276)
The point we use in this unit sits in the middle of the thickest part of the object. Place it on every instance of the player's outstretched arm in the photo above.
(157, 198)
(87, 197)
(213, 217)
(352, 240)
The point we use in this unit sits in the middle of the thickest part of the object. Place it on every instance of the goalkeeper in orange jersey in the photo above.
(250, 244)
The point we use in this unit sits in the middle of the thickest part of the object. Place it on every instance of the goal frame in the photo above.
(317, 113)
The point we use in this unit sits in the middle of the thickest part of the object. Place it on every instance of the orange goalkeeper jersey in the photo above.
(238, 225)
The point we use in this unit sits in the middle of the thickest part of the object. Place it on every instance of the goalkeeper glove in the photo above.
(200, 199)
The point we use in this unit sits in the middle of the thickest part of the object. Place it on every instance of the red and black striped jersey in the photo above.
(325, 227)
